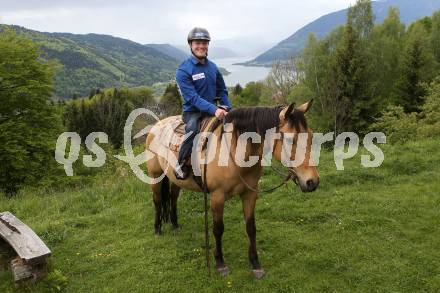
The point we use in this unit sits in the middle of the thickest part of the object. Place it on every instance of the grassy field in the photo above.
(363, 230)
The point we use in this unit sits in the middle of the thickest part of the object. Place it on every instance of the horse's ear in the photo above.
(306, 106)
(287, 111)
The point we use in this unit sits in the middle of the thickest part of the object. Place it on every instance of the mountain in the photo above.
(170, 51)
(244, 46)
(99, 61)
(221, 52)
(410, 10)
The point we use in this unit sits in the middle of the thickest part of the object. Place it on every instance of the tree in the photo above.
(283, 77)
(171, 100)
(400, 126)
(418, 67)
(338, 72)
(386, 45)
(29, 124)
(345, 76)
(237, 89)
(431, 108)
(363, 19)
(360, 68)
(435, 35)
(106, 111)
(315, 64)
(250, 96)
(350, 98)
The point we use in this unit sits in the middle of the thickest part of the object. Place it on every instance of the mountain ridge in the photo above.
(293, 45)
(93, 61)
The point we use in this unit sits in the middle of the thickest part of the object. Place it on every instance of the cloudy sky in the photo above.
(168, 21)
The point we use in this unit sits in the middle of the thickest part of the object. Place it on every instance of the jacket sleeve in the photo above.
(190, 95)
(222, 91)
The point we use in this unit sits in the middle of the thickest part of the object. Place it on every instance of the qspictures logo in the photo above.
(346, 146)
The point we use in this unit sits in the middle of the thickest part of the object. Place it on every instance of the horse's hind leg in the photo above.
(161, 199)
(158, 207)
(175, 190)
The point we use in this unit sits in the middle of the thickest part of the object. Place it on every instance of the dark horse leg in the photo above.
(217, 206)
(161, 199)
(174, 195)
(157, 206)
(248, 201)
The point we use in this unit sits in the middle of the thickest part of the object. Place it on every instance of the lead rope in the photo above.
(207, 253)
(205, 194)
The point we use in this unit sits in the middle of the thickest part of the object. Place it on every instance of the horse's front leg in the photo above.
(248, 200)
(217, 206)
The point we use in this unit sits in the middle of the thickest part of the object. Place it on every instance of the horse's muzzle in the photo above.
(309, 185)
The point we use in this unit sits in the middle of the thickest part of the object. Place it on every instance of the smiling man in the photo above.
(200, 83)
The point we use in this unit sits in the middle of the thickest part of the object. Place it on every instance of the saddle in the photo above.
(176, 133)
(207, 124)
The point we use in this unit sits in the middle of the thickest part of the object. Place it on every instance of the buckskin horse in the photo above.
(224, 182)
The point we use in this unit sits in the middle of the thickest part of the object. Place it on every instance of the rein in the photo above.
(205, 195)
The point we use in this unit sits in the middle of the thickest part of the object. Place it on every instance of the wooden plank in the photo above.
(23, 239)
(21, 271)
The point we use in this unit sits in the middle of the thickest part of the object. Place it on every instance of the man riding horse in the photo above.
(200, 83)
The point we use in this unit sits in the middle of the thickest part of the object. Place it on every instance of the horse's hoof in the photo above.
(223, 271)
(258, 274)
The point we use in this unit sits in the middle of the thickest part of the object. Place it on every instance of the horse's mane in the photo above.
(260, 119)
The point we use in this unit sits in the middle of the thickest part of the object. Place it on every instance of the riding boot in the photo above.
(184, 168)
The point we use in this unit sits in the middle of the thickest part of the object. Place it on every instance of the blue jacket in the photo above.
(199, 84)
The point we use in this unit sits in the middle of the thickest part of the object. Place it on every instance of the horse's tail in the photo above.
(165, 199)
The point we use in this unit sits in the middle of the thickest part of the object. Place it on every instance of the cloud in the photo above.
(169, 21)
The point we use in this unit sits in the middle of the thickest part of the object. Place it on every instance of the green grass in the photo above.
(363, 230)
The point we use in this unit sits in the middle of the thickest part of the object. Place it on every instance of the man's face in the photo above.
(200, 48)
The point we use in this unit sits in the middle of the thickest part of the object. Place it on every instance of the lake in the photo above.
(239, 73)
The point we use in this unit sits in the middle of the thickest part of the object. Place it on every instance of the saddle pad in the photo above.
(178, 127)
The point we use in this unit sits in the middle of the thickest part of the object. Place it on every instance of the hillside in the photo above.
(221, 52)
(101, 61)
(410, 11)
(169, 50)
(362, 230)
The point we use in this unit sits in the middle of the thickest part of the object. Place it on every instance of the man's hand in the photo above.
(220, 113)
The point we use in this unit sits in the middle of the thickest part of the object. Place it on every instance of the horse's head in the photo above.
(294, 131)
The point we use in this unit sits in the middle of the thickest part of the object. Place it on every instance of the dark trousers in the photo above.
(192, 121)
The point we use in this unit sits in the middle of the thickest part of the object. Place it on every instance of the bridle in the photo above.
(291, 173)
